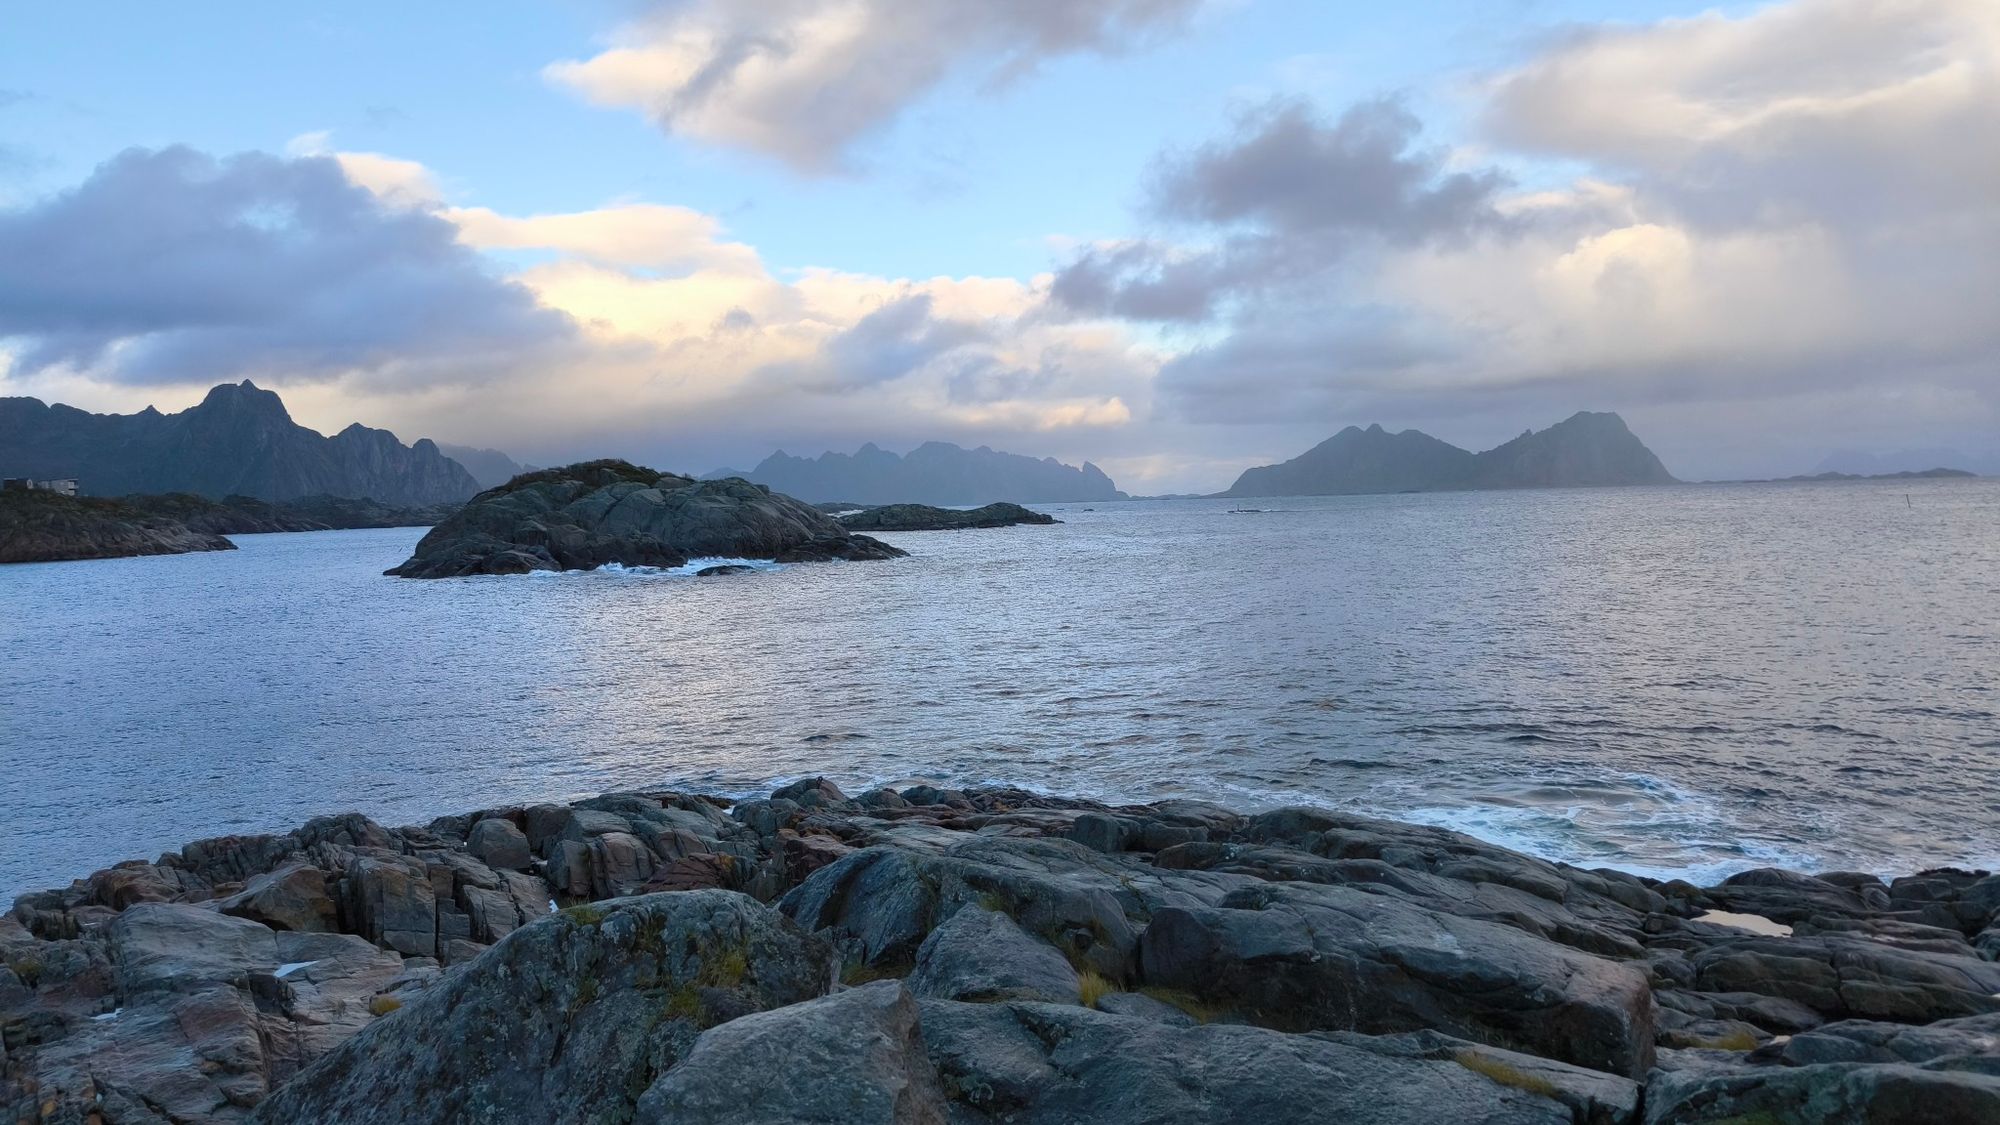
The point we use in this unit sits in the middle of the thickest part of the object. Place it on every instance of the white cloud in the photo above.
(1795, 206)
(803, 80)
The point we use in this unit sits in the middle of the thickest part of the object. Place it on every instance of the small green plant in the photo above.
(584, 914)
(1738, 1040)
(28, 969)
(724, 970)
(685, 1003)
(1503, 1074)
(383, 1005)
(1093, 987)
(993, 902)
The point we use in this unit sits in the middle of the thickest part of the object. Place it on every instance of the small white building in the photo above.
(64, 485)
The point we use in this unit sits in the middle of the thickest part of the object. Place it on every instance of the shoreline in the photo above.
(1327, 939)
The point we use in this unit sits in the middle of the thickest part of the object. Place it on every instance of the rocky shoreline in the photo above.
(991, 955)
(38, 526)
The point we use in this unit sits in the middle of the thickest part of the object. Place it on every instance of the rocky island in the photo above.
(585, 515)
(39, 526)
(923, 517)
(938, 955)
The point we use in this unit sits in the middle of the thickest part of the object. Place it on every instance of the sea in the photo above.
(1682, 681)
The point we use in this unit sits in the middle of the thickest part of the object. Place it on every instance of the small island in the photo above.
(586, 515)
(923, 517)
(42, 526)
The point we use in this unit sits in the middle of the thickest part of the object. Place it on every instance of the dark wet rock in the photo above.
(1594, 1098)
(923, 517)
(1842, 977)
(1971, 1043)
(980, 954)
(855, 1058)
(886, 901)
(499, 844)
(1877, 1094)
(721, 569)
(586, 515)
(813, 793)
(1040, 1063)
(616, 995)
(293, 897)
(1304, 957)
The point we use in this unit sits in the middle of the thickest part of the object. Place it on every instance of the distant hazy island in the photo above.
(936, 473)
(923, 517)
(1585, 450)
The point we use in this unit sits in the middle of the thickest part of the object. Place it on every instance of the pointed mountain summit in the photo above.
(239, 440)
(1585, 450)
(936, 473)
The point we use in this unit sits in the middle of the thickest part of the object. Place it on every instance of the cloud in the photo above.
(171, 266)
(804, 80)
(1287, 195)
(1775, 210)
(647, 235)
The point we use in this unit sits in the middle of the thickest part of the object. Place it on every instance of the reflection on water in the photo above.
(1667, 680)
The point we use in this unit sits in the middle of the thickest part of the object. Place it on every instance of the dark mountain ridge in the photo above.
(936, 472)
(239, 440)
(1585, 450)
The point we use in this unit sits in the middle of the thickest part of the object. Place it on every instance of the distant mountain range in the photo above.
(936, 472)
(490, 467)
(238, 441)
(1854, 463)
(1584, 450)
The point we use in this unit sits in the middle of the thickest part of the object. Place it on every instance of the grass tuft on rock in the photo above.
(1503, 1074)
(584, 914)
(383, 1005)
(1093, 986)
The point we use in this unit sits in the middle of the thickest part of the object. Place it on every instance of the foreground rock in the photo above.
(586, 515)
(37, 526)
(923, 517)
(950, 956)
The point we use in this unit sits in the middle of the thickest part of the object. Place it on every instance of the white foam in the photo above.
(291, 967)
(691, 568)
(110, 1015)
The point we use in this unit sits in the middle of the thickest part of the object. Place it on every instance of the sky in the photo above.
(1176, 238)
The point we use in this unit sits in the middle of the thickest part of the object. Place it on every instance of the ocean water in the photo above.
(1686, 680)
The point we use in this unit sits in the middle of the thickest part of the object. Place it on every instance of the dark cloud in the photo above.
(170, 266)
(895, 340)
(1289, 172)
(1289, 195)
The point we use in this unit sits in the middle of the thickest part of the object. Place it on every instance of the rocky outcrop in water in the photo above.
(938, 955)
(246, 515)
(586, 515)
(936, 472)
(923, 517)
(37, 526)
(1584, 450)
(239, 440)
